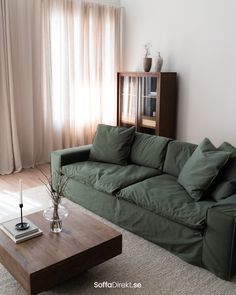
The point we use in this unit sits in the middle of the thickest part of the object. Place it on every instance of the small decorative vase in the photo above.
(159, 62)
(55, 214)
(147, 64)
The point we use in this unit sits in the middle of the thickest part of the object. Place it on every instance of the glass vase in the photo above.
(55, 214)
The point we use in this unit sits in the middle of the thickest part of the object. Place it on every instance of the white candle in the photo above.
(20, 185)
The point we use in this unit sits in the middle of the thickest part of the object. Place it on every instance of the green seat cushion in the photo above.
(224, 184)
(107, 177)
(178, 152)
(202, 168)
(149, 150)
(112, 144)
(164, 196)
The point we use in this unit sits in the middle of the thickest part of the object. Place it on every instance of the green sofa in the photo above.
(144, 196)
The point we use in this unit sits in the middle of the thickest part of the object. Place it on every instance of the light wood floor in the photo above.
(30, 178)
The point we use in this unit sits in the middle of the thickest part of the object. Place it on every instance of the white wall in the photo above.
(197, 39)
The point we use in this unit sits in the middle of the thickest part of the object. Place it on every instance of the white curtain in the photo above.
(9, 146)
(81, 45)
(65, 55)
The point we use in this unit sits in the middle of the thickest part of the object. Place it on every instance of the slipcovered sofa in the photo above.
(176, 194)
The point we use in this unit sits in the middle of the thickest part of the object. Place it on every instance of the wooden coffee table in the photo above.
(46, 261)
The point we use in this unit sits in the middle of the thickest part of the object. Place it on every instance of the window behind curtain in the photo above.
(80, 43)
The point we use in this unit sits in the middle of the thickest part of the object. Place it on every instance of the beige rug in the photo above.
(143, 262)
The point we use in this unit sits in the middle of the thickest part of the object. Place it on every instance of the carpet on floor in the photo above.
(158, 271)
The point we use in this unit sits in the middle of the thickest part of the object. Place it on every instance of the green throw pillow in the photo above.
(224, 184)
(112, 144)
(149, 150)
(201, 168)
(177, 154)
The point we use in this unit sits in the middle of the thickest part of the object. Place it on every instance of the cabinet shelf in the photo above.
(148, 96)
(148, 122)
(148, 102)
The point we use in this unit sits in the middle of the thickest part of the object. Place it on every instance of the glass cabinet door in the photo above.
(128, 102)
(148, 105)
(147, 101)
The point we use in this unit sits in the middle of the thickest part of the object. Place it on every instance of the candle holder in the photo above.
(22, 225)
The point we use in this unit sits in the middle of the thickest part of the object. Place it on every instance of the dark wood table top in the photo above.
(82, 235)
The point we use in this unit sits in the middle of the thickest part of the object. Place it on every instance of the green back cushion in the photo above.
(177, 154)
(224, 184)
(112, 144)
(202, 168)
(149, 150)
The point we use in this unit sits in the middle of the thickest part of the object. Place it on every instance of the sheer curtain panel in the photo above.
(59, 60)
(9, 146)
(81, 45)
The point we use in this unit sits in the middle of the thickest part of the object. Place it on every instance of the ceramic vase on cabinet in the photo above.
(159, 62)
(147, 64)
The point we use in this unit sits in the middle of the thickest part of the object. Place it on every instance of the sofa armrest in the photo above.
(64, 157)
(219, 242)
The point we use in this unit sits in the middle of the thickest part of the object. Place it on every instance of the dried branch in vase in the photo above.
(55, 192)
(147, 48)
(55, 186)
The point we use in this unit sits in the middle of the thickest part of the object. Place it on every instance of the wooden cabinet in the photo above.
(147, 101)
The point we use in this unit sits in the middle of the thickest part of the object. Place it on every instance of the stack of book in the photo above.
(19, 236)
